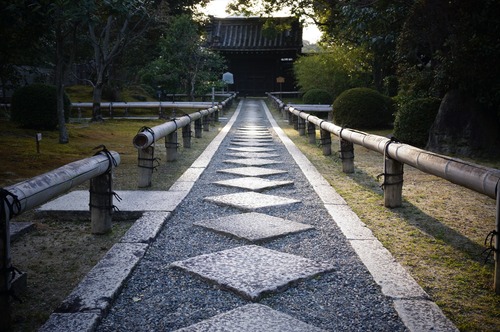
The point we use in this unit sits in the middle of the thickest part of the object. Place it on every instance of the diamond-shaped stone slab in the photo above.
(252, 149)
(250, 201)
(253, 127)
(252, 139)
(252, 271)
(252, 171)
(251, 143)
(252, 317)
(253, 161)
(254, 226)
(253, 183)
(252, 154)
(253, 133)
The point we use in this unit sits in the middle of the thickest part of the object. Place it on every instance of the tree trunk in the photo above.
(96, 102)
(61, 120)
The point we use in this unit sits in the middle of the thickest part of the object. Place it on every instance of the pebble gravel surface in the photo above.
(158, 297)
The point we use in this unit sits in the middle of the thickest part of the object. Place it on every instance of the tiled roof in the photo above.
(250, 34)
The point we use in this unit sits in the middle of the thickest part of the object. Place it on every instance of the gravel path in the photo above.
(158, 297)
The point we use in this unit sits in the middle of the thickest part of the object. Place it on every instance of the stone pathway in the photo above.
(257, 243)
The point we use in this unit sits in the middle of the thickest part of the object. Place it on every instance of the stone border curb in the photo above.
(91, 299)
(413, 305)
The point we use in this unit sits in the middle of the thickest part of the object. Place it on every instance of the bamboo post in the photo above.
(5, 267)
(145, 163)
(171, 146)
(186, 136)
(326, 141)
(347, 155)
(197, 128)
(393, 183)
(311, 131)
(101, 203)
(497, 245)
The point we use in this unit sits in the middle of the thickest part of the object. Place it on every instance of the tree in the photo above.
(112, 26)
(335, 69)
(370, 24)
(22, 32)
(184, 66)
(66, 16)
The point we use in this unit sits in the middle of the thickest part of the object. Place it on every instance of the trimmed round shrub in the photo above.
(414, 119)
(35, 107)
(363, 108)
(317, 96)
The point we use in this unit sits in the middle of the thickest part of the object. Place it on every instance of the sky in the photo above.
(218, 8)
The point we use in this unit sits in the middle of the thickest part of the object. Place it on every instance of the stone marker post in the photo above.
(101, 203)
(326, 141)
(311, 131)
(198, 128)
(171, 142)
(186, 136)
(393, 183)
(301, 126)
(347, 155)
(497, 245)
(145, 163)
(5, 266)
(206, 123)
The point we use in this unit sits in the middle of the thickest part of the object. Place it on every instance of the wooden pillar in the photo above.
(145, 163)
(101, 203)
(186, 136)
(393, 183)
(497, 245)
(290, 118)
(301, 126)
(171, 143)
(5, 267)
(197, 128)
(311, 132)
(347, 156)
(286, 114)
(295, 120)
(326, 141)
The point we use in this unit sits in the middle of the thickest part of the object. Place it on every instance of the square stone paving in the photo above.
(252, 149)
(253, 271)
(254, 226)
(251, 318)
(253, 183)
(250, 201)
(253, 161)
